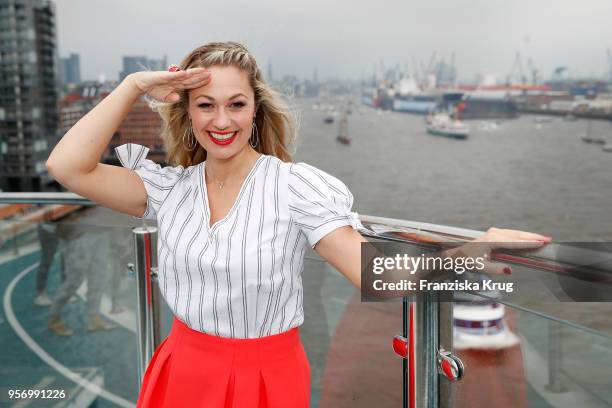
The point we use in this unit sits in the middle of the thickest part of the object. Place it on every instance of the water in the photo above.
(522, 175)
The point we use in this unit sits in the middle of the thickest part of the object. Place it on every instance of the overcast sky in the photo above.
(344, 38)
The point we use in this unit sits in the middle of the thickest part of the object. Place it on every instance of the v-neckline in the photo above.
(204, 190)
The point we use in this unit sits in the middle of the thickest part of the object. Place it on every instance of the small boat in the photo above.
(607, 147)
(441, 124)
(343, 136)
(328, 120)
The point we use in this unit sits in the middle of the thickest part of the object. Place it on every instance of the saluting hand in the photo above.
(165, 86)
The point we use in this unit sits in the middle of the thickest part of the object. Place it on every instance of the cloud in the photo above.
(343, 38)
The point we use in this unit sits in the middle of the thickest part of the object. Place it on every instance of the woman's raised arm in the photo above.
(74, 162)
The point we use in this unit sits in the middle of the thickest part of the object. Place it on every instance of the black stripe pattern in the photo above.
(242, 276)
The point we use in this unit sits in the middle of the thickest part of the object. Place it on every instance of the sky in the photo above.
(342, 38)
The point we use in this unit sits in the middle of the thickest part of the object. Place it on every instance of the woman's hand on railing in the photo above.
(164, 86)
(498, 238)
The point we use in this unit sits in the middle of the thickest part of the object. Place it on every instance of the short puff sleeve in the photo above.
(319, 203)
(158, 181)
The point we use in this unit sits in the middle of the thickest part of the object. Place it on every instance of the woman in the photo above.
(234, 217)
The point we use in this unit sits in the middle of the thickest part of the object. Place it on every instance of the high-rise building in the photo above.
(133, 64)
(70, 69)
(28, 93)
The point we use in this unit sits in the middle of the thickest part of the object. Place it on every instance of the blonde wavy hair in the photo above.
(275, 123)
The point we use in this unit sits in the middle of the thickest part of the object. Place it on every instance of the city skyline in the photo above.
(347, 40)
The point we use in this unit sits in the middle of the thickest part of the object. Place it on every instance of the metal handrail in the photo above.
(558, 258)
(554, 257)
(44, 198)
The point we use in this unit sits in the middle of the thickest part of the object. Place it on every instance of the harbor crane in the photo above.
(558, 73)
(517, 67)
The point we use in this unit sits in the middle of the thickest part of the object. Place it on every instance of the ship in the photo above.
(487, 105)
(441, 124)
(415, 103)
(408, 96)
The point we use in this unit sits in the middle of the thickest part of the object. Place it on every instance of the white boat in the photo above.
(441, 124)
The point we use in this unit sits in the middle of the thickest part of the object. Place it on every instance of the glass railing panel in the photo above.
(547, 324)
(348, 342)
(546, 344)
(581, 360)
(90, 353)
(534, 361)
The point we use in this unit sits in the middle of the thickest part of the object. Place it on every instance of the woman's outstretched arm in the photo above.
(342, 248)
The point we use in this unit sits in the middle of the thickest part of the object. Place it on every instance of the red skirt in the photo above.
(194, 369)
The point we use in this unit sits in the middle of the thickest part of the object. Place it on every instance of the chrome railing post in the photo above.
(426, 337)
(430, 334)
(405, 373)
(148, 295)
(555, 354)
(425, 332)
(446, 389)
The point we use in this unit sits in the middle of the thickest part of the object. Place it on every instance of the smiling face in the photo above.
(222, 112)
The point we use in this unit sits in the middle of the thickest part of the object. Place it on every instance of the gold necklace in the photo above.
(218, 182)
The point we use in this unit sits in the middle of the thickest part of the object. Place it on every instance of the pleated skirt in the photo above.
(196, 370)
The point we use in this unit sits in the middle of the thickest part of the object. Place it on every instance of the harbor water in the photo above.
(515, 173)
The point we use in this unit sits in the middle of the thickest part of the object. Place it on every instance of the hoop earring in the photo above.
(190, 131)
(255, 133)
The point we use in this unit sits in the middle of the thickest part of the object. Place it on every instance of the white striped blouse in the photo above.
(242, 277)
